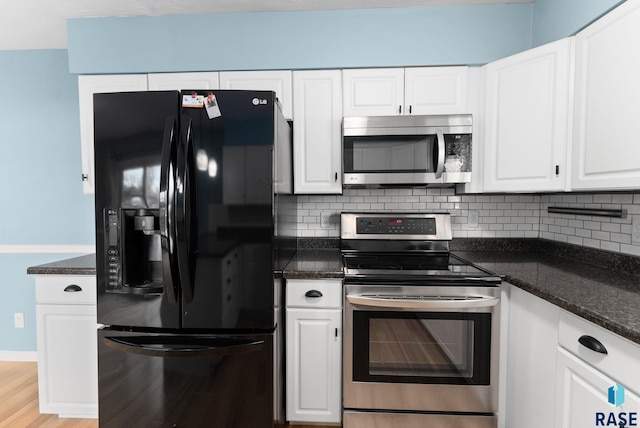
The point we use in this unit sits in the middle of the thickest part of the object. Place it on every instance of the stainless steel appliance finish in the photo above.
(421, 326)
(414, 420)
(412, 150)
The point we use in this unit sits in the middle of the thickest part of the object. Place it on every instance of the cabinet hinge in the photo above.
(85, 177)
(557, 169)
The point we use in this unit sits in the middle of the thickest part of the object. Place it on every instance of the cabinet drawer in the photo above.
(329, 293)
(51, 289)
(621, 360)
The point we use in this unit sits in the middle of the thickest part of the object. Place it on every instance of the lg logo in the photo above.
(258, 101)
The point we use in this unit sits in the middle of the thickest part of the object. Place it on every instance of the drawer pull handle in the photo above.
(593, 344)
(73, 288)
(313, 293)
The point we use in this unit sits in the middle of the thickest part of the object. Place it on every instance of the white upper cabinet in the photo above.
(179, 81)
(278, 81)
(95, 84)
(373, 92)
(400, 91)
(436, 90)
(527, 117)
(317, 137)
(606, 153)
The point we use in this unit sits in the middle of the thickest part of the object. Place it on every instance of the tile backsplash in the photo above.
(498, 215)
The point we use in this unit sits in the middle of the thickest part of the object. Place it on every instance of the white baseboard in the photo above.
(31, 356)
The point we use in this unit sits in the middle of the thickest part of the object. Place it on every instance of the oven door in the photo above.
(420, 348)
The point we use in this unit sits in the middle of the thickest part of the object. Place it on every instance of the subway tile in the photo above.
(510, 215)
(622, 198)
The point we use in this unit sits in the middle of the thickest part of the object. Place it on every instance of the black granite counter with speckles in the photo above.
(316, 258)
(599, 286)
(83, 265)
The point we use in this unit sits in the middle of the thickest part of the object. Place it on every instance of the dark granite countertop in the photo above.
(599, 286)
(83, 265)
(609, 299)
(314, 263)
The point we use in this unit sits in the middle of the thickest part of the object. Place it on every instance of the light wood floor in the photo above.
(19, 398)
(19, 401)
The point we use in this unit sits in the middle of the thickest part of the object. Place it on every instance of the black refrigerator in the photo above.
(194, 214)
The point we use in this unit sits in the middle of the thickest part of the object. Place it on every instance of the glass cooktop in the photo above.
(403, 265)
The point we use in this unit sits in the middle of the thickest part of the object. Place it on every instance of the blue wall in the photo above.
(297, 40)
(554, 19)
(40, 167)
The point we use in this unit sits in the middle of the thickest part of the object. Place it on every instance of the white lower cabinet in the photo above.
(555, 378)
(67, 345)
(314, 351)
(595, 388)
(583, 396)
(531, 361)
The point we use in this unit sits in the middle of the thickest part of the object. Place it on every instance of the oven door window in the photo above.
(422, 347)
(402, 153)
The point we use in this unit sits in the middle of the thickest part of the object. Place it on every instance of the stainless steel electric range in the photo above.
(421, 326)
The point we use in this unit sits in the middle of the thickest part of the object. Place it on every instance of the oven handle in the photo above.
(423, 303)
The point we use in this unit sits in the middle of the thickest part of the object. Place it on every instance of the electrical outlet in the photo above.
(18, 320)
(473, 219)
(635, 230)
(325, 219)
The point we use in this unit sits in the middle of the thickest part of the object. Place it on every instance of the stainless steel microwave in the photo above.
(406, 150)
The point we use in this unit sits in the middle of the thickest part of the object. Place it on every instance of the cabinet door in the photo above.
(436, 90)
(373, 92)
(531, 361)
(179, 81)
(606, 153)
(317, 137)
(278, 81)
(527, 116)
(583, 396)
(67, 360)
(95, 84)
(314, 369)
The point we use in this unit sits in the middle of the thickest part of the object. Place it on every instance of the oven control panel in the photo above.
(395, 226)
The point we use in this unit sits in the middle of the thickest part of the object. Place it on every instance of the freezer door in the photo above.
(231, 135)
(165, 380)
(136, 138)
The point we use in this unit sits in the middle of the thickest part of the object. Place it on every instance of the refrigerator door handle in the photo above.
(186, 206)
(167, 204)
(183, 346)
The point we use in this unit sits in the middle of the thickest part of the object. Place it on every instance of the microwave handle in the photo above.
(441, 149)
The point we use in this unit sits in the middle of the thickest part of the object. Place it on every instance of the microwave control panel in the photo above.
(395, 225)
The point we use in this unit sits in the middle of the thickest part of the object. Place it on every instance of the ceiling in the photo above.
(41, 24)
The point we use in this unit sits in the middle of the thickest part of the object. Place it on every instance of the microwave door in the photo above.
(392, 159)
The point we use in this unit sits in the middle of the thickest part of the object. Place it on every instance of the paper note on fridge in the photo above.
(194, 100)
(211, 104)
